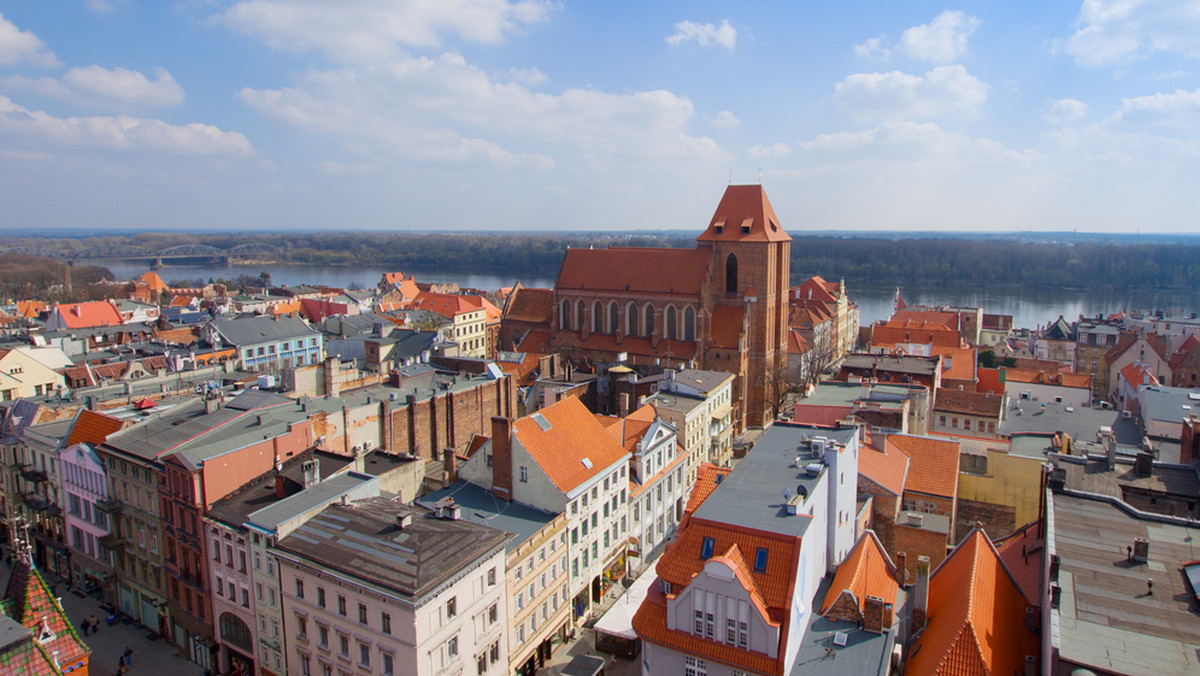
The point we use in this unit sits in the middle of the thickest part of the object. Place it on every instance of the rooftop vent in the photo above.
(587, 462)
(813, 468)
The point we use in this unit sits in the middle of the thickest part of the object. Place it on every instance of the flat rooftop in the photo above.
(1106, 619)
(1081, 422)
(754, 493)
(480, 506)
(362, 539)
(864, 653)
(1093, 476)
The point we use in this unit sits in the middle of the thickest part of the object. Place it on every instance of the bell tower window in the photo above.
(731, 274)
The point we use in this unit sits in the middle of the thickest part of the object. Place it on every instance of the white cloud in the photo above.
(777, 150)
(368, 31)
(873, 47)
(18, 46)
(118, 88)
(1066, 110)
(267, 166)
(530, 77)
(703, 34)
(123, 132)
(726, 119)
(448, 110)
(909, 142)
(941, 91)
(100, 6)
(331, 168)
(1111, 31)
(940, 41)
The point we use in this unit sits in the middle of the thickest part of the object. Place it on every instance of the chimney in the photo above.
(1030, 665)
(502, 457)
(1143, 464)
(280, 488)
(920, 594)
(873, 615)
(1030, 619)
(312, 472)
(449, 467)
(1141, 550)
(403, 519)
(902, 566)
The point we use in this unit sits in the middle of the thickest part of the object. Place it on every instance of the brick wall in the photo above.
(998, 520)
(845, 608)
(448, 420)
(919, 542)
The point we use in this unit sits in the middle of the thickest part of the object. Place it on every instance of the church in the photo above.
(722, 306)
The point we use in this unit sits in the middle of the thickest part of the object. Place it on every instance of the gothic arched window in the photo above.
(672, 323)
(731, 280)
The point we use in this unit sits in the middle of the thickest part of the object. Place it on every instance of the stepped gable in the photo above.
(744, 215)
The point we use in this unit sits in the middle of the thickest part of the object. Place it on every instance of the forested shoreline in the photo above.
(931, 261)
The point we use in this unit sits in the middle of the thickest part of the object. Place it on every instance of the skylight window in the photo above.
(706, 548)
(760, 559)
(587, 462)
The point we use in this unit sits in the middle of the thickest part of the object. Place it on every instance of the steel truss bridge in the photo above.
(182, 252)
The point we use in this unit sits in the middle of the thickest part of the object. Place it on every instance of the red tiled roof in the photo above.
(650, 623)
(708, 477)
(867, 571)
(916, 333)
(744, 215)
(976, 617)
(30, 308)
(93, 428)
(933, 469)
(989, 381)
(1021, 552)
(797, 344)
(573, 435)
(153, 281)
(87, 315)
(447, 305)
(1137, 373)
(1185, 349)
(963, 401)
(535, 342)
(814, 288)
(1058, 378)
(888, 468)
(605, 342)
(634, 270)
(534, 306)
(958, 363)
(948, 320)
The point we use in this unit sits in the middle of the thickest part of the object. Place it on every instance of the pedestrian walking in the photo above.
(83, 626)
(95, 624)
(128, 656)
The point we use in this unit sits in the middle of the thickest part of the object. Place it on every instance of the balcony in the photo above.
(32, 474)
(109, 505)
(112, 542)
(39, 503)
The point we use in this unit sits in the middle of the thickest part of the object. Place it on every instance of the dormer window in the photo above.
(719, 226)
(760, 560)
(706, 548)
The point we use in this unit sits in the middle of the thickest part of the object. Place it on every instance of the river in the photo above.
(1029, 307)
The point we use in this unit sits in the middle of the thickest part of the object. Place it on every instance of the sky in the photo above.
(444, 115)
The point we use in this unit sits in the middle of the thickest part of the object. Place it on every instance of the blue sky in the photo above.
(439, 115)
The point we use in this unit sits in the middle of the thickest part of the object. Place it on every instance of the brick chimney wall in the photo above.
(920, 616)
(873, 614)
(502, 457)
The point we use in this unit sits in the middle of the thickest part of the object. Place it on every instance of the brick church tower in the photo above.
(748, 281)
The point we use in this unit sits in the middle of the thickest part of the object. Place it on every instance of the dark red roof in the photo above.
(634, 270)
(744, 215)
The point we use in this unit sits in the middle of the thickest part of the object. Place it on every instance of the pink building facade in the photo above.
(88, 509)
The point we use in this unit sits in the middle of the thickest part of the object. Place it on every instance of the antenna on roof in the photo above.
(731, 176)
(760, 175)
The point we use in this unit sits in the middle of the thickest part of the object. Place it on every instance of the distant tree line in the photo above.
(29, 277)
(928, 261)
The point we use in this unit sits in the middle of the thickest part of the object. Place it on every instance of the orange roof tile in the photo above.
(1137, 373)
(963, 401)
(448, 305)
(634, 270)
(681, 561)
(93, 428)
(1021, 552)
(30, 308)
(153, 281)
(933, 469)
(797, 344)
(976, 617)
(919, 334)
(708, 477)
(650, 623)
(572, 435)
(744, 215)
(90, 314)
(958, 363)
(948, 320)
(867, 571)
(888, 468)
(532, 305)
(1059, 378)
(814, 288)
(535, 342)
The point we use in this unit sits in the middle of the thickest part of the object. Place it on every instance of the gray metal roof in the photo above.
(864, 653)
(259, 330)
(480, 506)
(327, 491)
(753, 495)
(363, 539)
(1169, 404)
(263, 491)
(1081, 423)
